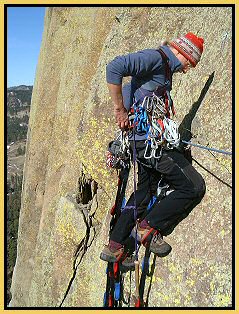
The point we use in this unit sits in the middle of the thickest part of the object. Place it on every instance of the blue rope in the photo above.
(135, 204)
(207, 148)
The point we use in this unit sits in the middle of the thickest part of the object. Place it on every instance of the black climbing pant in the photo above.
(188, 185)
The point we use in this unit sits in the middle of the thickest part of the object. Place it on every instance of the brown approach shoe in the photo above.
(143, 235)
(111, 255)
(128, 263)
(158, 246)
(150, 236)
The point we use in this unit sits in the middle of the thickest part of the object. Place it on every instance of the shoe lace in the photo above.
(130, 258)
(157, 237)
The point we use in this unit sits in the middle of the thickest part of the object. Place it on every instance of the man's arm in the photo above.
(134, 64)
(120, 113)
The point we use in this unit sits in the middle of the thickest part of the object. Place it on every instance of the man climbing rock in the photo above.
(155, 142)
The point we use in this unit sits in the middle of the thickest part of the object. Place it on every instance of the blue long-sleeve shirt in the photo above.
(147, 69)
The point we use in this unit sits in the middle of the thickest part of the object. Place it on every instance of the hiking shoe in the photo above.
(143, 235)
(128, 263)
(158, 246)
(150, 236)
(111, 255)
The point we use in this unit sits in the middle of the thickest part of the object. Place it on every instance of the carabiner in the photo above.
(148, 148)
(154, 148)
(154, 153)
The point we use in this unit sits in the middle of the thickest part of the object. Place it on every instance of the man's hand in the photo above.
(121, 118)
(120, 113)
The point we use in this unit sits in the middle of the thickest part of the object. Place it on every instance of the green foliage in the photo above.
(13, 210)
(21, 151)
(15, 131)
(22, 93)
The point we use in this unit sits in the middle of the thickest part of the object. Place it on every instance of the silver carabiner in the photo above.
(122, 139)
(154, 153)
(155, 147)
(146, 151)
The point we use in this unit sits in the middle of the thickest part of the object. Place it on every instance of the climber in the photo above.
(151, 73)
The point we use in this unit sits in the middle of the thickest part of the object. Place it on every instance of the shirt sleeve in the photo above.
(139, 64)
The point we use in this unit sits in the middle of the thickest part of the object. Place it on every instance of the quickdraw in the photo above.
(153, 149)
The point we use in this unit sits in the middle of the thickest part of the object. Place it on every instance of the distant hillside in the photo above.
(18, 108)
(18, 99)
(20, 87)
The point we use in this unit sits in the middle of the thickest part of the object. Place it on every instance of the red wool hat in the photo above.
(190, 46)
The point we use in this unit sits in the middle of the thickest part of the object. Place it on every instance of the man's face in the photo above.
(186, 64)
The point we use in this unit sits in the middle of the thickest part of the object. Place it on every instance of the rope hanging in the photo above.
(207, 148)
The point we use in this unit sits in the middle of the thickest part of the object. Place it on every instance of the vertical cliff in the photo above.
(68, 190)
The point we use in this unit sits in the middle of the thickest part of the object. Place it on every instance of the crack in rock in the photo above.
(85, 243)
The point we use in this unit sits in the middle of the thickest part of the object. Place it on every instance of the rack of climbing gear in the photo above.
(153, 119)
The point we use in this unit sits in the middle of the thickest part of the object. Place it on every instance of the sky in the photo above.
(24, 35)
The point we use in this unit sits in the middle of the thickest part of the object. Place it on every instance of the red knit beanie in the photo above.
(190, 46)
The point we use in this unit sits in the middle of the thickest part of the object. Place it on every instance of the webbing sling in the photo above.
(114, 287)
(168, 78)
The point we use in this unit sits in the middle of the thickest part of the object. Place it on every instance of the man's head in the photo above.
(188, 49)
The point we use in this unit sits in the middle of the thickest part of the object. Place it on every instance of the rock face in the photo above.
(68, 191)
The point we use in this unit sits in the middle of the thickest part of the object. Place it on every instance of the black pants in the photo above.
(189, 189)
